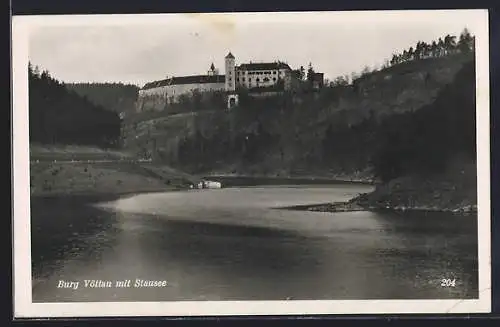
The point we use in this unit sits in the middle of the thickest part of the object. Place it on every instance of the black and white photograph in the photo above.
(268, 163)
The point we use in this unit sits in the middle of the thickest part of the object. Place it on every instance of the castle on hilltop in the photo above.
(256, 78)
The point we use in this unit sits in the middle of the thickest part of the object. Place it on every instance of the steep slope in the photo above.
(328, 133)
(427, 159)
(74, 147)
(60, 116)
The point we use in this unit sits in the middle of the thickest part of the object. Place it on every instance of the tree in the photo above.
(441, 48)
(426, 50)
(449, 43)
(465, 41)
(410, 53)
(365, 71)
(302, 72)
(341, 81)
(297, 74)
(45, 75)
(419, 49)
(310, 73)
(434, 49)
(405, 56)
(354, 77)
(394, 59)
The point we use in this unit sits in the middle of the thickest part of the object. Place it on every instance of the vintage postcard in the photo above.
(251, 164)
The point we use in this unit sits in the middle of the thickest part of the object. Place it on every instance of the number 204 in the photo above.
(445, 282)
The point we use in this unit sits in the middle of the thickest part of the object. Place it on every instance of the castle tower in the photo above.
(230, 73)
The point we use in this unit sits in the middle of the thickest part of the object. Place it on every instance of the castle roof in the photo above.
(230, 55)
(264, 66)
(318, 76)
(195, 79)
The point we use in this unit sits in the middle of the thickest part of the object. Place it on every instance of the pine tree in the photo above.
(302, 73)
(310, 73)
(465, 42)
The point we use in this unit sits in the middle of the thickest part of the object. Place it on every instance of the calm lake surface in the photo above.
(233, 244)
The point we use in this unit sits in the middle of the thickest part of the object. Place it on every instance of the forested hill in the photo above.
(427, 159)
(61, 116)
(117, 97)
(426, 140)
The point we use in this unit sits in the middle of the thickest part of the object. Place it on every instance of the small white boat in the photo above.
(209, 184)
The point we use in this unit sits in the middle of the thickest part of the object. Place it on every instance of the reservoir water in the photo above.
(237, 244)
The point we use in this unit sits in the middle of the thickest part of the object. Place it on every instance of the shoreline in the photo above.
(99, 196)
(352, 206)
(315, 179)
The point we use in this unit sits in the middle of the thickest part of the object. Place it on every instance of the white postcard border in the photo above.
(23, 306)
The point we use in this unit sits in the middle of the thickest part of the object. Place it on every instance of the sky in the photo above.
(138, 49)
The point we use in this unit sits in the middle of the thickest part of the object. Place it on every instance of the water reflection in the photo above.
(228, 245)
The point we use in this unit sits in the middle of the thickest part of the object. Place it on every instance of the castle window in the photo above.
(243, 79)
(274, 72)
(274, 79)
(257, 79)
(249, 80)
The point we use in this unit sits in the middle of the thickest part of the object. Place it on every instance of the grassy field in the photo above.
(50, 177)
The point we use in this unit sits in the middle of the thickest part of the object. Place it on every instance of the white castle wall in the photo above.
(156, 98)
(174, 91)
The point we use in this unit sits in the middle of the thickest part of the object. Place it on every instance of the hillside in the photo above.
(116, 97)
(75, 147)
(60, 116)
(327, 134)
(426, 159)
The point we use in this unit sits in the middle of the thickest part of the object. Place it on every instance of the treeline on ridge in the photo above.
(58, 115)
(442, 47)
